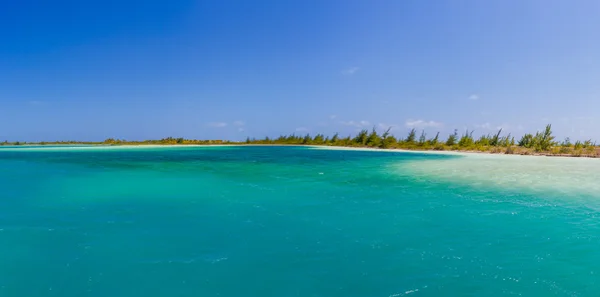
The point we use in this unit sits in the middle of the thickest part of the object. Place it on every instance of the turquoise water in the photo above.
(295, 221)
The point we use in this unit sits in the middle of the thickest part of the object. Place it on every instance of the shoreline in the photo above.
(326, 147)
(450, 152)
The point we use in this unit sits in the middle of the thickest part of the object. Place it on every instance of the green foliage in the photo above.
(373, 140)
(387, 140)
(434, 141)
(484, 140)
(307, 139)
(507, 141)
(319, 139)
(412, 136)
(452, 139)
(361, 138)
(495, 140)
(526, 141)
(466, 140)
(540, 142)
(543, 141)
(422, 138)
(335, 138)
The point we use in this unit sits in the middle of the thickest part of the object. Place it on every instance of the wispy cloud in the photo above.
(422, 124)
(503, 127)
(488, 126)
(332, 117)
(385, 126)
(350, 71)
(217, 124)
(357, 124)
(474, 97)
(240, 129)
(239, 123)
(485, 126)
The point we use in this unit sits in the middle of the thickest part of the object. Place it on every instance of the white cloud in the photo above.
(239, 123)
(217, 124)
(350, 70)
(333, 117)
(585, 120)
(240, 129)
(486, 126)
(474, 97)
(422, 124)
(301, 129)
(385, 126)
(357, 124)
(503, 127)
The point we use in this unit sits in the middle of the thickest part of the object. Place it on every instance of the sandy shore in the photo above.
(323, 147)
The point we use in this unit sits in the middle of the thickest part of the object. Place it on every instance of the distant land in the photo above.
(541, 143)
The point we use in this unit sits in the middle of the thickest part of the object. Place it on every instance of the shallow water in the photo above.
(295, 221)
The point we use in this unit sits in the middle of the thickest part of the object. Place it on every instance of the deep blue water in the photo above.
(281, 221)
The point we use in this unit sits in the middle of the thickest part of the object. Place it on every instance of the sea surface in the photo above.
(295, 221)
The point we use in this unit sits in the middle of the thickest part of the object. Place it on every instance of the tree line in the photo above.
(542, 142)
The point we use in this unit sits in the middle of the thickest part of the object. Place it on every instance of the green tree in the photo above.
(435, 140)
(307, 139)
(319, 139)
(361, 138)
(452, 138)
(495, 140)
(387, 140)
(526, 141)
(422, 138)
(544, 141)
(373, 140)
(466, 140)
(484, 140)
(412, 136)
(335, 138)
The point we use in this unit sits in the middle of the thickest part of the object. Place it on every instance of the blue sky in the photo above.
(90, 70)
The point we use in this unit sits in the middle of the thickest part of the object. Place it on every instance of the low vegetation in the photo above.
(540, 143)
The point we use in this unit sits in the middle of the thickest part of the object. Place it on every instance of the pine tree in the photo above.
(373, 140)
(412, 136)
(452, 138)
